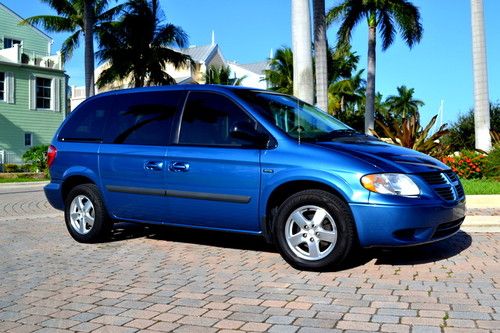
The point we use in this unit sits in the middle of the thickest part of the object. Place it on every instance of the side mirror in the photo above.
(244, 130)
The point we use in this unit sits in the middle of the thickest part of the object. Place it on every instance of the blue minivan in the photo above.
(248, 161)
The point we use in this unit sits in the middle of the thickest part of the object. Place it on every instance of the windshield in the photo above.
(295, 117)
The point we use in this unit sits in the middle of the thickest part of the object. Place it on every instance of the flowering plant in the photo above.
(467, 164)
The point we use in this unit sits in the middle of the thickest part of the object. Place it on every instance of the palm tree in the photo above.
(77, 17)
(222, 75)
(481, 105)
(279, 76)
(302, 54)
(138, 47)
(320, 54)
(346, 92)
(342, 63)
(385, 15)
(346, 87)
(403, 104)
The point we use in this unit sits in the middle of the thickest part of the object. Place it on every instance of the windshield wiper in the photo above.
(340, 133)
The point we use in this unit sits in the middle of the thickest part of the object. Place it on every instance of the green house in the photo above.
(32, 87)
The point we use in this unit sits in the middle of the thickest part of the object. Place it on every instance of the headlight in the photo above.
(390, 183)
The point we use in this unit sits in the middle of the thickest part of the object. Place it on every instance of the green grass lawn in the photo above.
(20, 180)
(481, 186)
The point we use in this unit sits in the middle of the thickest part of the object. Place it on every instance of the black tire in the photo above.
(342, 218)
(102, 224)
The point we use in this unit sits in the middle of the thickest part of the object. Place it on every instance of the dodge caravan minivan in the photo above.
(248, 161)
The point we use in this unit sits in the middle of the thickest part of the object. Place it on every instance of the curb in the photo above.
(481, 224)
(24, 184)
(483, 201)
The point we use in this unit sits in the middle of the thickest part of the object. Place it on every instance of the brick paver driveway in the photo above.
(166, 279)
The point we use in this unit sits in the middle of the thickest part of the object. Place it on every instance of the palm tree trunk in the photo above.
(481, 99)
(88, 31)
(320, 46)
(370, 81)
(302, 53)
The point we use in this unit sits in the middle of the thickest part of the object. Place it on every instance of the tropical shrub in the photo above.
(35, 156)
(493, 163)
(353, 118)
(10, 168)
(461, 135)
(408, 133)
(468, 164)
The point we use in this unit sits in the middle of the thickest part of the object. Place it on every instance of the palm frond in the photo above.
(350, 20)
(170, 35)
(62, 7)
(70, 45)
(110, 14)
(386, 26)
(407, 16)
(51, 23)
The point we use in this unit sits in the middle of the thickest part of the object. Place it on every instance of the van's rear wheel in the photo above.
(86, 218)
(314, 229)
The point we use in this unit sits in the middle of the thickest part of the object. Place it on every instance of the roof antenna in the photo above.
(213, 38)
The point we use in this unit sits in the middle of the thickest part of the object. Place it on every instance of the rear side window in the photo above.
(87, 123)
(208, 118)
(143, 118)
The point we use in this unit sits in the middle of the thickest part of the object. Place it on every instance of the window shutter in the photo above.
(57, 94)
(10, 87)
(32, 92)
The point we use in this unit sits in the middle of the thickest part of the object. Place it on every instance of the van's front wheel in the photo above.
(86, 218)
(314, 229)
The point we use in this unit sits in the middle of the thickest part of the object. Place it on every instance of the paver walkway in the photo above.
(165, 279)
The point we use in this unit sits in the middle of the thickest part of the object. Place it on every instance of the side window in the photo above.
(143, 118)
(208, 119)
(86, 124)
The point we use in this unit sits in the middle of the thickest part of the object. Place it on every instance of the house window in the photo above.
(9, 42)
(28, 139)
(2, 86)
(43, 92)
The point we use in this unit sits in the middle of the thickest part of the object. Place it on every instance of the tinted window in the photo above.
(294, 117)
(143, 118)
(208, 119)
(87, 123)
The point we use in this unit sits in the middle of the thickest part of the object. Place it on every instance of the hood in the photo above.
(388, 157)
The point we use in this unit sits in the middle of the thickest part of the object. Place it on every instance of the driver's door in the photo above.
(213, 179)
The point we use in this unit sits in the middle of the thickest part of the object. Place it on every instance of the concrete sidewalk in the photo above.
(483, 211)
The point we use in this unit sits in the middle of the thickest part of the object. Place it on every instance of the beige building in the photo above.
(203, 57)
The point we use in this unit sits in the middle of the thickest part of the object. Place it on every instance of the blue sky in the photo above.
(439, 68)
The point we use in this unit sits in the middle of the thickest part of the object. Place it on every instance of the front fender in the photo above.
(341, 182)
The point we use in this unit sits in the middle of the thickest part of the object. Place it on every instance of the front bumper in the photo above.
(403, 225)
(53, 192)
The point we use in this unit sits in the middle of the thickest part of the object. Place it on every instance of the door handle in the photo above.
(153, 165)
(179, 167)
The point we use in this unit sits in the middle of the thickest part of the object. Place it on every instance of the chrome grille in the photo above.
(446, 184)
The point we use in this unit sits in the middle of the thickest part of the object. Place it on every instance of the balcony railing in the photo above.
(21, 55)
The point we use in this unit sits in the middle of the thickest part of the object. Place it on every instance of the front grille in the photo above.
(447, 229)
(446, 184)
(460, 191)
(453, 176)
(445, 193)
(434, 178)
